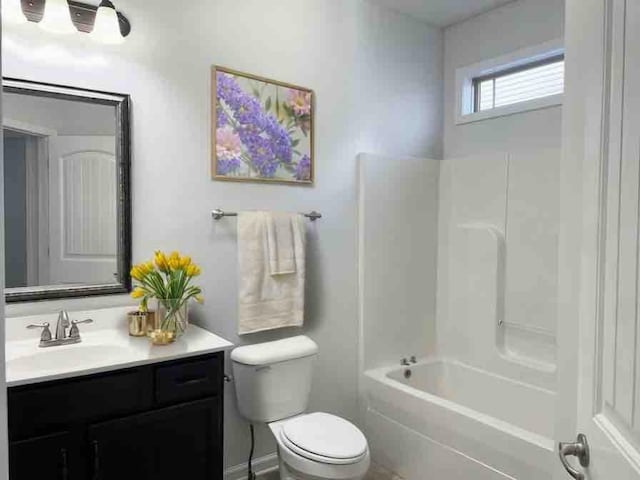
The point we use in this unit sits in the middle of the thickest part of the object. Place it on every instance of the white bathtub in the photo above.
(452, 421)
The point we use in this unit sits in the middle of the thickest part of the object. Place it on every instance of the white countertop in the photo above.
(105, 346)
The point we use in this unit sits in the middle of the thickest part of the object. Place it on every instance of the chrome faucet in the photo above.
(62, 325)
(61, 337)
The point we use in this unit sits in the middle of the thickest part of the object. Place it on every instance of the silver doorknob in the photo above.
(579, 449)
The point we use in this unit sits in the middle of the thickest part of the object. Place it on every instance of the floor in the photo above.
(376, 472)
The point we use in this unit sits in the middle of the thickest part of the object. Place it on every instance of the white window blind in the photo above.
(521, 84)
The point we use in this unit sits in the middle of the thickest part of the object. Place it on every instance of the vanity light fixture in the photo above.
(103, 23)
(12, 12)
(57, 18)
(106, 28)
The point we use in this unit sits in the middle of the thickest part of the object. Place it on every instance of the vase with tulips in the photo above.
(168, 279)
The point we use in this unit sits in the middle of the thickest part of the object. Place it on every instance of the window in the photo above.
(528, 79)
(531, 81)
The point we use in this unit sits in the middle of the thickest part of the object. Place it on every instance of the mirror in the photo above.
(66, 191)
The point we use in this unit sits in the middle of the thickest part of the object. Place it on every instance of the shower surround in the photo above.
(474, 244)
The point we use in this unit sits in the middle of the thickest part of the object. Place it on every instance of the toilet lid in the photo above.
(326, 435)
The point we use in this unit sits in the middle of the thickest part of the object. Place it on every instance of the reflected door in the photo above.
(83, 223)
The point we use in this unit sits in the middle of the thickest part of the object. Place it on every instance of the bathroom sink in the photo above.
(65, 357)
(101, 350)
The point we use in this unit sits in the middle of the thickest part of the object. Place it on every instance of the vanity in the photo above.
(114, 407)
(85, 400)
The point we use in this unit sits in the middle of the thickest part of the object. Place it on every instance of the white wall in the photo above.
(497, 261)
(337, 48)
(4, 450)
(498, 227)
(517, 25)
(64, 116)
(15, 212)
(398, 245)
(400, 113)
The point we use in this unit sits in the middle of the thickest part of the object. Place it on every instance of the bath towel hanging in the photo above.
(270, 243)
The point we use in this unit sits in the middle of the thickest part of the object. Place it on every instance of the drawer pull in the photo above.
(188, 380)
(96, 460)
(191, 380)
(64, 466)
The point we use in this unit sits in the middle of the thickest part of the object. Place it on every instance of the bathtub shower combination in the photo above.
(479, 400)
(440, 416)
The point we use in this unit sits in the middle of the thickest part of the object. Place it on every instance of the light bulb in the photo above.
(57, 18)
(106, 28)
(12, 12)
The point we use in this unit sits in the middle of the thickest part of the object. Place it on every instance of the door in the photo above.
(175, 442)
(599, 329)
(82, 210)
(47, 458)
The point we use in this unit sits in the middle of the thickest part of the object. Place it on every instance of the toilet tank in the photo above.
(273, 379)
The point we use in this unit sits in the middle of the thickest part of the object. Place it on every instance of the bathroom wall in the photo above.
(15, 219)
(498, 230)
(498, 261)
(65, 117)
(4, 438)
(398, 244)
(512, 27)
(363, 63)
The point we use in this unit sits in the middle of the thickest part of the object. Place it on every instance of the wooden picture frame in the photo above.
(262, 130)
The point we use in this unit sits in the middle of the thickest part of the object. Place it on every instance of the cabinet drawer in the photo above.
(189, 379)
(47, 407)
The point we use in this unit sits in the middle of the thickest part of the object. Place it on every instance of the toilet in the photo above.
(273, 383)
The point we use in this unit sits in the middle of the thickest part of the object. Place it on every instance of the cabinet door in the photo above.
(45, 458)
(183, 441)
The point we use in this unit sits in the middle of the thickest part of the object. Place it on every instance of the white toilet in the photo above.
(273, 381)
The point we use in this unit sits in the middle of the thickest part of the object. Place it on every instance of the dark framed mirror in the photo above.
(67, 161)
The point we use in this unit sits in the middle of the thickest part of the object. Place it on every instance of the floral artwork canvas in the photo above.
(262, 129)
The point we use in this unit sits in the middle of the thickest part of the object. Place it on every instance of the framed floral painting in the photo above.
(262, 130)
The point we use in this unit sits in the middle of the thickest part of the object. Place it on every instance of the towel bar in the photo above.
(217, 214)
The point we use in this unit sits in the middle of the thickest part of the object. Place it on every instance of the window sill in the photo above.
(531, 105)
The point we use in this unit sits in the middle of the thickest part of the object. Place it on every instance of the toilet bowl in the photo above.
(273, 383)
(320, 446)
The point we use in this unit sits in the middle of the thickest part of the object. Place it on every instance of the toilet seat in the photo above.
(324, 438)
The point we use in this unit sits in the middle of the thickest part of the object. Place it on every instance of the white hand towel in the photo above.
(267, 301)
(280, 241)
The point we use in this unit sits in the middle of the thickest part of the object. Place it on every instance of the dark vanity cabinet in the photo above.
(160, 421)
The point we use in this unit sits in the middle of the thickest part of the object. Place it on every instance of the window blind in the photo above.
(528, 82)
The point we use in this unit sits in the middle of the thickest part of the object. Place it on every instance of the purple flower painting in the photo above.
(263, 129)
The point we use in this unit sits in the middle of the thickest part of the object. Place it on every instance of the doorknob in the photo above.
(578, 449)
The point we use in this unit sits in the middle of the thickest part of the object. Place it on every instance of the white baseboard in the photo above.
(260, 465)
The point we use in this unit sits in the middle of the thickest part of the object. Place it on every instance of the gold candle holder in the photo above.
(162, 337)
(137, 323)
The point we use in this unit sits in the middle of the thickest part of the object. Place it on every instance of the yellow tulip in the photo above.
(193, 270)
(173, 261)
(185, 261)
(135, 273)
(148, 266)
(137, 293)
(160, 260)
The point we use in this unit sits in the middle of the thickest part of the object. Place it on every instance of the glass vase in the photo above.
(173, 317)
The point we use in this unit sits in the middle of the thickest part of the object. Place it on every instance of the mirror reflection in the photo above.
(61, 189)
